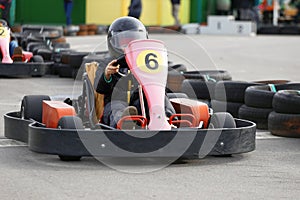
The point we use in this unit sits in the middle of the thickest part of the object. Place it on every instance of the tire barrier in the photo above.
(259, 101)
(230, 107)
(215, 75)
(259, 96)
(175, 77)
(177, 74)
(256, 115)
(198, 89)
(230, 96)
(285, 119)
(285, 125)
(287, 101)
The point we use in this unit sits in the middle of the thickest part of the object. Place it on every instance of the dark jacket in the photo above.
(119, 86)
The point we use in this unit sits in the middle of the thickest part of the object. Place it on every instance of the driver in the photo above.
(118, 85)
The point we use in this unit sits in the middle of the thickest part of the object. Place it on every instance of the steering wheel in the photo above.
(121, 61)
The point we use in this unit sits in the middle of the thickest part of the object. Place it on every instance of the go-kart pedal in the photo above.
(18, 55)
(131, 120)
(130, 110)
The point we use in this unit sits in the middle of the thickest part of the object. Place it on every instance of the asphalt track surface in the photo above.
(269, 172)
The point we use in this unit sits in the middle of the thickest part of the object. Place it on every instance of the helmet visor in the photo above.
(120, 40)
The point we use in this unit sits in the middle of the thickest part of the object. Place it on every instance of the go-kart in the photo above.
(27, 65)
(71, 129)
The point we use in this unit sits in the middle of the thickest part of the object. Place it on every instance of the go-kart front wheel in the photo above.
(70, 122)
(222, 120)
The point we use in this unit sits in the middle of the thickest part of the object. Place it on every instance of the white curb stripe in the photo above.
(11, 143)
(264, 135)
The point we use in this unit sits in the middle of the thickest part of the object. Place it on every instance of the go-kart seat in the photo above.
(91, 69)
(21, 56)
(18, 55)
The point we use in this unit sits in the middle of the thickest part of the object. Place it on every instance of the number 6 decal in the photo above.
(150, 61)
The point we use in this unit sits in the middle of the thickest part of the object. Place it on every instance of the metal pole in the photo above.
(275, 12)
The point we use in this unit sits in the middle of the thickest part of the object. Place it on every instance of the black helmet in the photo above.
(122, 31)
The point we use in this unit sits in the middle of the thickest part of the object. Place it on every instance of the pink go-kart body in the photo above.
(4, 45)
(148, 61)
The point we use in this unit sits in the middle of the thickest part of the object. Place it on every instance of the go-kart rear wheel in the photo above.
(70, 122)
(31, 107)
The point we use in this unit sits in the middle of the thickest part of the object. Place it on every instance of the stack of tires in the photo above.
(258, 105)
(201, 84)
(229, 96)
(285, 119)
(259, 102)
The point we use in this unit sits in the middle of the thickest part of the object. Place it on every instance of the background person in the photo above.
(223, 7)
(68, 7)
(135, 8)
(175, 11)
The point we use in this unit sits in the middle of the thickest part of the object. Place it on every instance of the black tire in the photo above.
(259, 96)
(287, 101)
(30, 46)
(174, 81)
(45, 53)
(37, 48)
(256, 115)
(65, 71)
(95, 57)
(177, 67)
(230, 107)
(198, 89)
(285, 125)
(289, 30)
(37, 59)
(268, 30)
(76, 59)
(217, 75)
(177, 95)
(222, 120)
(70, 122)
(272, 81)
(40, 29)
(231, 91)
(32, 107)
(289, 86)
